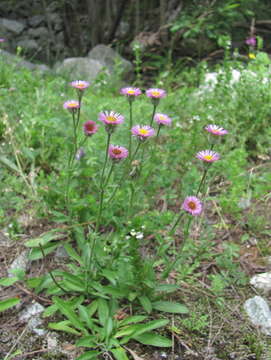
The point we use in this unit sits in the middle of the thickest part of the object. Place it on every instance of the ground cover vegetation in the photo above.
(160, 197)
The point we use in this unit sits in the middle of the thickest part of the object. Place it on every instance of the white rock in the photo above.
(259, 313)
(31, 310)
(21, 262)
(262, 281)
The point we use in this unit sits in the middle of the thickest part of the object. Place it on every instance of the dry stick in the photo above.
(33, 352)
(51, 275)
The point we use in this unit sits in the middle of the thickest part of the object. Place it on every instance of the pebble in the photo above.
(262, 281)
(259, 313)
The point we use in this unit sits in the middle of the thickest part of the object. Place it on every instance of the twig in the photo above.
(34, 296)
(16, 343)
(33, 352)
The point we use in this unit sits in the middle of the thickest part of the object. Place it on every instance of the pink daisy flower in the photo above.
(192, 205)
(130, 91)
(162, 119)
(142, 132)
(90, 127)
(80, 85)
(71, 105)
(155, 93)
(208, 156)
(110, 119)
(216, 130)
(117, 153)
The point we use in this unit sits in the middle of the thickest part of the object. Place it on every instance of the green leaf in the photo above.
(73, 254)
(103, 311)
(62, 326)
(153, 339)
(171, 307)
(92, 307)
(44, 239)
(9, 164)
(84, 316)
(166, 288)
(119, 354)
(145, 303)
(132, 319)
(138, 329)
(67, 311)
(8, 303)
(36, 253)
(50, 310)
(8, 281)
(89, 355)
(86, 341)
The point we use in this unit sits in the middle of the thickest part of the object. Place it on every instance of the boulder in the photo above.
(110, 59)
(36, 20)
(28, 44)
(79, 68)
(19, 62)
(12, 26)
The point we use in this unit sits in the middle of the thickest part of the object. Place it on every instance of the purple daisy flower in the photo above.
(117, 153)
(142, 132)
(130, 91)
(251, 41)
(71, 105)
(110, 119)
(208, 156)
(192, 205)
(216, 130)
(80, 85)
(162, 119)
(90, 127)
(155, 93)
(2, 40)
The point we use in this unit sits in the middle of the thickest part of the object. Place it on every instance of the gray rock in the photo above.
(31, 310)
(262, 281)
(110, 59)
(36, 20)
(79, 68)
(40, 32)
(31, 315)
(21, 262)
(259, 313)
(13, 26)
(28, 44)
(19, 62)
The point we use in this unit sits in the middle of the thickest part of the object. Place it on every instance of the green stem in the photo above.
(186, 233)
(51, 275)
(102, 187)
(130, 125)
(125, 173)
(153, 113)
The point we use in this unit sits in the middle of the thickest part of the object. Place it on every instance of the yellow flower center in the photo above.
(131, 92)
(192, 205)
(252, 56)
(143, 131)
(80, 85)
(116, 151)
(111, 119)
(208, 157)
(155, 93)
(72, 104)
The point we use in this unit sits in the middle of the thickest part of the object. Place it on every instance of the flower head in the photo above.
(156, 93)
(80, 154)
(117, 153)
(110, 119)
(142, 132)
(90, 127)
(80, 85)
(216, 130)
(162, 119)
(251, 41)
(192, 205)
(2, 40)
(252, 56)
(208, 156)
(71, 105)
(130, 92)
